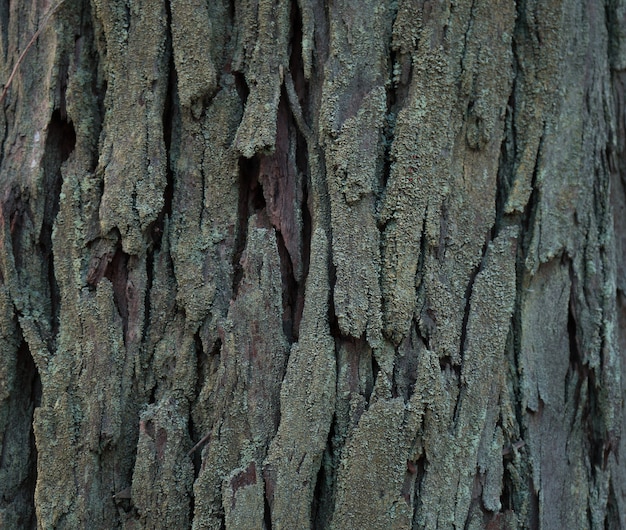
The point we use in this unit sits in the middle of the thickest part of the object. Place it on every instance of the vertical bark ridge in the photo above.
(312, 264)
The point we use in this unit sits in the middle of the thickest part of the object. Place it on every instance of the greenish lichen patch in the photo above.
(312, 264)
(352, 167)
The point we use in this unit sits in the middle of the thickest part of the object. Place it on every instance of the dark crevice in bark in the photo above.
(446, 365)
(24, 398)
(292, 302)
(60, 143)
(508, 487)
(323, 502)
(241, 87)
(301, 89)
(533, 501)
(521, 496)
(202, 361)
(532, 207)
(408, 485)
(422, 328)
(127, 16)
(267, 514)
(158, 226)
(397, 90)
(470, 22)
(506, 168)
(169, 119)
(333, 321)
(388, 135)
(117, 273)
(592, 412)
(296, 65)
(419, 471)
(466, 313)
(576, 364)
(375, 370)
(405, 366)
(251, 200)
(468, 297)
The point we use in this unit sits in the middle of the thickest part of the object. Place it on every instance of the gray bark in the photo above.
(342, 264)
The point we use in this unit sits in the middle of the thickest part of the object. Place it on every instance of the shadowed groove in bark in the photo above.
(60, 143)
(292, 299)
(26, 397)
(170, 108)
(117, 273)
(326, 483)
(251, 201)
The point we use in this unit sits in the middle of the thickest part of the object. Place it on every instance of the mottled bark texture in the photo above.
(313, 264)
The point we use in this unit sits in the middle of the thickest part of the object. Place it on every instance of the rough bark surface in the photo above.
(313, 264)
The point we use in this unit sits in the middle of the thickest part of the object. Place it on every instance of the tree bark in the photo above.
(342, 264)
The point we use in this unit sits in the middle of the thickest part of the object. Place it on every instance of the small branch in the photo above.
(296, 110)
(206, 438)
(28, 46)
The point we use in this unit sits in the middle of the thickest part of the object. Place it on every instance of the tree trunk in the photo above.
(345, 264)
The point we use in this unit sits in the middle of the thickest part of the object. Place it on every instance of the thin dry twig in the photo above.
(32, 40)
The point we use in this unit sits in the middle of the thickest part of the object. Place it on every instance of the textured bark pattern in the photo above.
(313, 264)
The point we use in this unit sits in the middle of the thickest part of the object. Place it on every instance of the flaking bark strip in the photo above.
(205, 204)
(447, 490)
(352, 115)
(444, 165)
(83, 406)
(307, 403)
(243, 498)
(372, 472)
(132, 157)
(195, 47)
(163, 473)
(352, 161)
(307, 20)
(539, 33)
(261, 55)
(246, 402)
